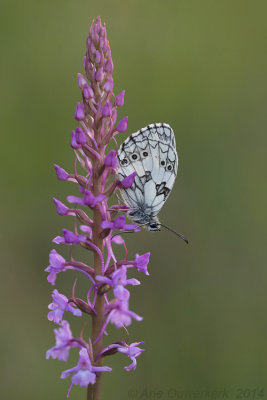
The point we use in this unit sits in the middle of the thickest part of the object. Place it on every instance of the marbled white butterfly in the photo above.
(151, 153)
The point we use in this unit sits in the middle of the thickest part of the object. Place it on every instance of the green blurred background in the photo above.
(201, 67)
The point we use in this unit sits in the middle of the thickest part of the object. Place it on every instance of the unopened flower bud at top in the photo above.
(87, 91)
(79, 112)
(97, 57)
(92, 48)
(109, 66)
(107, 110)
(119, 100)
(102, 42)
(108, 85)
(99, 76)
(62, 175)
(80, 136)
(122, 125)
(93, 34)
(103, 31)
(107, 52)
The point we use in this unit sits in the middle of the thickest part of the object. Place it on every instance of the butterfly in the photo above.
(151, 153)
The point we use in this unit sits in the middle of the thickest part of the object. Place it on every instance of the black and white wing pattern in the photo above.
(151, 153)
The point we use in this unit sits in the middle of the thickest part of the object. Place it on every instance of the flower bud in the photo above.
(80, 136)
(87, 91)
(81, 81)
(92, 48)
(119, 100)
(73, 141)
(79, 112)
(107, 110)
(83, 306)
(127, 182)
(97, 57)
(122, 125)
(111, 160)
(99, 76)
(109, 66)
(61, 208)
(62, 175)
(102, 42)
(108, 86)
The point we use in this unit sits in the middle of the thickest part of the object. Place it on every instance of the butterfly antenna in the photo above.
(176, 233)
(122, 233)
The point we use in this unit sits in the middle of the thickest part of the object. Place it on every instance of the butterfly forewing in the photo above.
(151, 153)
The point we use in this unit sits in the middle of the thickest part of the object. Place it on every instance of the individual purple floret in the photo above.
(69, 238)
(118, 223)
(133, 352)
(92, 237)
(88, 200)
(120, 314)
(58, 306)
(118, 277)
(57, 264)
(64, 341)
(141, 262)
(84, 372)
(118, 311)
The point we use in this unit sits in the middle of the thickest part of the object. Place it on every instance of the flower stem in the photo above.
(93, 391)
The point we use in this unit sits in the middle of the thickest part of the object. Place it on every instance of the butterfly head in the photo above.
(142, 216)
(153, 226)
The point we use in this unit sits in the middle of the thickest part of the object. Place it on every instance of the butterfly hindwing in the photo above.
(151, 153)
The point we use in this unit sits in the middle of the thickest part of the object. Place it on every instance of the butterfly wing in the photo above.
(151, 153)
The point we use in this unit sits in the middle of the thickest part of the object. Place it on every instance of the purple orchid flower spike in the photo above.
(95, 218)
